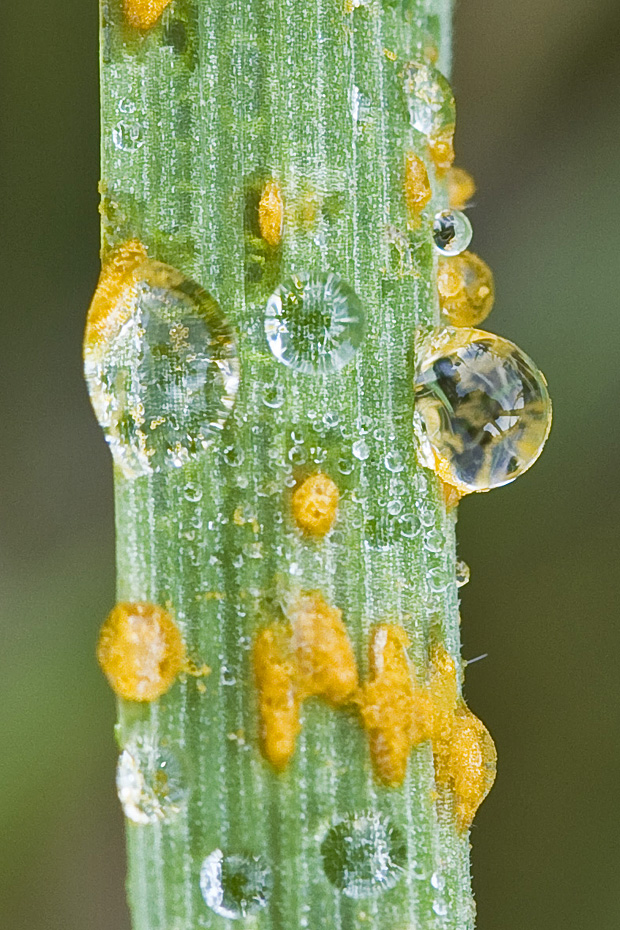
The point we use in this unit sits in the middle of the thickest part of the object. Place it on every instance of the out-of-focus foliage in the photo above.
(538, 90)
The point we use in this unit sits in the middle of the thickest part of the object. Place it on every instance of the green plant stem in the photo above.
(196, 113)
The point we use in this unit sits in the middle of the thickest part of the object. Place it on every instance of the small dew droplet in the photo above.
(235, 885)
(364, 855)
(360, 450)
(462, 573)
(314, 323)
(273, 396)
(483, 411)
(394, 461)
(127, 136)
(151, 783)
(452, 232)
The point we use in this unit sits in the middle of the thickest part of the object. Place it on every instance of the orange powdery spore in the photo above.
(417, 186)
(464, 752)
(274, 672)
(271, 214)
(140, 651)
(461, 188)
(325, 662)
(315, 503)
(396, 714)
(113, 299)
(144, 13)
(441, 148)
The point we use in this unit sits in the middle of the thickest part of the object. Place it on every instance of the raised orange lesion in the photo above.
(416, 186)
(113, 299)
(394, 711)
(271, 213)
(315, 503)
(140, 651)
(143, 14)
(461, 187)
(308, 656)
(441, 148)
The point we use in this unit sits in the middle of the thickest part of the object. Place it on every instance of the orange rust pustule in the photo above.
(464, 752)
(395, 712)
(271, 214)
(416, 186)
(315, 503)
(325, 662)
(112, 296)
(441, 148)
(461, 188)
(143, 14)
(140, 651)
(466, 289)
(274, 671)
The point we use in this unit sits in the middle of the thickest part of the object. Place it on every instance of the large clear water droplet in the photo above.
(452, 232)
(483, 410)
(161, 366)
(235, 885)
(429, 98)
(314, 322)
(364, 855)
(151, 783)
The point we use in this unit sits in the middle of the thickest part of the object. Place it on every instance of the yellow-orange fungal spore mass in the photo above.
(466, 288)
(451, 495)
(396, 714)
(274, 671)
(112, 298)
(140, 651)
(441, 148)
(464, 752)
(461, 188)
(324, 656)
(271, 214)
(144, 13)
(315, 503)
(417, 185)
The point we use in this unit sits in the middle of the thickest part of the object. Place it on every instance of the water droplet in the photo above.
(466, 290)
(160, 362)
(379, 434)
(394, 461)
(233, 456)
(297, 438)
(360, 450)
(297, 455)
(434, 541)
(235, 885)
(273, 396)
(483, 411)
(151, 783)
(127, 136)
(364, 425)
(331, 419)
(409, 525)
(364, 855)
(452, 232)
(314, 323)
(440, 907)
(438, 881)
(462, 573)
(429, 98)
(192, 493)
(345, 466)
(394, 507)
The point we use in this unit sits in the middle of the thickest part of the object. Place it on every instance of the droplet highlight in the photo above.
(160, 362)
(314, 323)
(151, 783)
(364, 855)
(483, 411)
(452, 232)
(235, 885)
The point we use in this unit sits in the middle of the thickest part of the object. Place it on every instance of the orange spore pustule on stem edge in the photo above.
(274, 672)
(112, 298)
(144, 13)
(417, 186)
(140, 651)
(325, 662)
(396, 714)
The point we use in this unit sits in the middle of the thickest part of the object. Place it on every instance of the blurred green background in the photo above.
(538, 92)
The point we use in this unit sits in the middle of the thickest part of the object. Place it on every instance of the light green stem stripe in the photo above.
(196, 114)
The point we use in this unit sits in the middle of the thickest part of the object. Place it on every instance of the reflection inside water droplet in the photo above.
(483, 411)
(235, 885)
(452, 232)
(314, 323)
(161, 366)
(429, 98)
(364, 855)
(151, 783)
